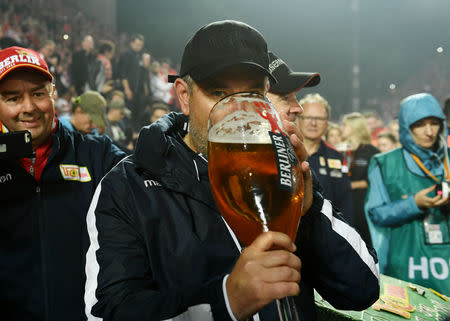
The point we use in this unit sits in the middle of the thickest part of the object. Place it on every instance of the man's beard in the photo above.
(199, 138)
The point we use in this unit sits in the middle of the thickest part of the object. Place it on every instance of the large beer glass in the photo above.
(254, 173)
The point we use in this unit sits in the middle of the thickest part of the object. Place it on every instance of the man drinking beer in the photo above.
(160, 248)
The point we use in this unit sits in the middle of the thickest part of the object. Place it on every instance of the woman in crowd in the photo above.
(357, 136)
(407, 214)
(387, 141)
(333, 135)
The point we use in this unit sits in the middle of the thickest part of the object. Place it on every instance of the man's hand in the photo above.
(423, 201)
(297, 141)
(265, 271)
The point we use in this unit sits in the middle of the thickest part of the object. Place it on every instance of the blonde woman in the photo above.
(333, 135)
(357, 135)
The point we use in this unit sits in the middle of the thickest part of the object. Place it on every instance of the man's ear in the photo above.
(52, 91)
(183, 94)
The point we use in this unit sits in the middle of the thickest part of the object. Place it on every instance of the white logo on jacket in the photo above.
(5, 178)
(150, 182)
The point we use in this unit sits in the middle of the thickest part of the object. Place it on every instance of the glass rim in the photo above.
(251, 93)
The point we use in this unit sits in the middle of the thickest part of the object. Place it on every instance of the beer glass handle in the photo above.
(287, 310)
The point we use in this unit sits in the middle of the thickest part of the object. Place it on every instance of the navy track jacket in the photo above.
(160, 248)
(43, 236)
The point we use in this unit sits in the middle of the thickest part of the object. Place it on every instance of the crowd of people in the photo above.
(84, 55)
(88, 232)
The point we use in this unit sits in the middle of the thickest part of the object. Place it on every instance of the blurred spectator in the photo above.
(160, 87)
(63, 105)
(325, 161)
(117, 94)
(47, 49)
(81, 60)
(333, 135)
(356, 133)
(115, 128)
(103, 71)
(130, 76)
(447, 115)
(144, 98)
(408, 216)
(6, 41)
(88, 113)
(165, 71)
(375, 125)
(393, 128)
(158, 110)
(387, 141)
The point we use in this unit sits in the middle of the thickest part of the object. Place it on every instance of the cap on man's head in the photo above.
(94, 104)
(15, 58)
(223, 44)
(120, 104)
(287, 80)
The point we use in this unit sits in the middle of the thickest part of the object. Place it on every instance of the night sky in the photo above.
(393, 40)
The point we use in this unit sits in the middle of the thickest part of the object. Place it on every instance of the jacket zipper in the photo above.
(41, 240)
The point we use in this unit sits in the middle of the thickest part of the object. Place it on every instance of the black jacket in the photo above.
(159, 247)
(43, 238)
(327, 163)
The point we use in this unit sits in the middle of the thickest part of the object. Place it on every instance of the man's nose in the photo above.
(295, 110)
(28, 104)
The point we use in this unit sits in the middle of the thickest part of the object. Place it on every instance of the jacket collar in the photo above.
(162, 154)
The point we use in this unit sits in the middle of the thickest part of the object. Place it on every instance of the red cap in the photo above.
(16, 57)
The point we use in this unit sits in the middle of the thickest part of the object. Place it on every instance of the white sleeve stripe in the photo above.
(225, 294)
(352, 237)
(92, 267)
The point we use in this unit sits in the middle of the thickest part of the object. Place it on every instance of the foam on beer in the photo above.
(239, 127)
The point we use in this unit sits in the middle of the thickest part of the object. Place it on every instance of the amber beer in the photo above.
(245, 183)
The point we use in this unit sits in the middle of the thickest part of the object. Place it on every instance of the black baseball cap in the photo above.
(287, 80)
(223, 44)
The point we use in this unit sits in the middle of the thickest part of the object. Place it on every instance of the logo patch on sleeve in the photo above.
(75, 173)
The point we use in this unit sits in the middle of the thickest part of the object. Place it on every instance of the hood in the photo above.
(413, 109)
(157, 136)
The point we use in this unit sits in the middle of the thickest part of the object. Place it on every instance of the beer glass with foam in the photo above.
(254, 172)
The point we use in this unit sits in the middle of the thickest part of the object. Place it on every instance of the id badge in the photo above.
(433, 233)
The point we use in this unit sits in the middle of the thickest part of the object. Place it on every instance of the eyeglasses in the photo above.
(317, 119)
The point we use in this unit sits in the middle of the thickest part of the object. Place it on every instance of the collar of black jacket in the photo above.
(161, 154)
(153, 145)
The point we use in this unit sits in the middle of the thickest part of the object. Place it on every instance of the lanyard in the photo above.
(419, 162)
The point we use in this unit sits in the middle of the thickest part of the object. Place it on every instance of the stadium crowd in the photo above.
(110, 85)
(83, 55)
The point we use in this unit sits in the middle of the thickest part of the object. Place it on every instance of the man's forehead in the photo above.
(27, 75)
(314, 106)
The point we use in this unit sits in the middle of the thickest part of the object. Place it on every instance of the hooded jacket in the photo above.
(395, 172)
(161, 250)
(43, 238)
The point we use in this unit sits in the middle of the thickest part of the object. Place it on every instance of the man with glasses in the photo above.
(323, 159)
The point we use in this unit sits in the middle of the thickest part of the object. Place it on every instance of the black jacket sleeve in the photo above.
(336, 261)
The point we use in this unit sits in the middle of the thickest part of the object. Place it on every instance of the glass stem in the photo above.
(287, 310)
